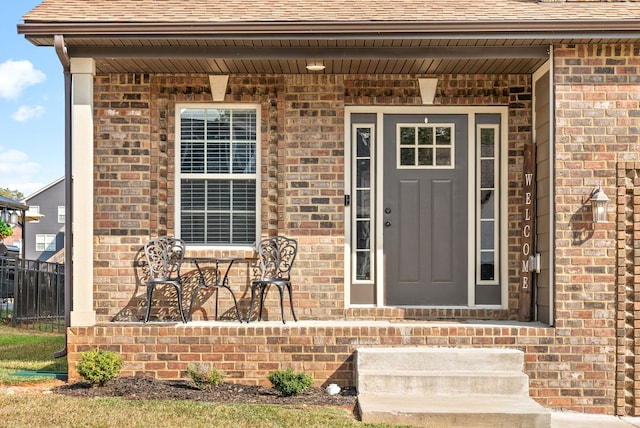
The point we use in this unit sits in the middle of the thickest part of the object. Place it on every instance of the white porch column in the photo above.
(82, 73)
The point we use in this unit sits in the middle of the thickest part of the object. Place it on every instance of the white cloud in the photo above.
(25, 113)
(17, 172)
(15, 76)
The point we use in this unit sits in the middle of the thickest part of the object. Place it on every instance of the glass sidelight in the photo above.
(487, 205)
(363, 203)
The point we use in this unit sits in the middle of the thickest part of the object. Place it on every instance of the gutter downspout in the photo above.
(61, 51)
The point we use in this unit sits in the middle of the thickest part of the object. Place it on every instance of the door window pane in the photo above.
(487, 266)
(408, 136)
(443, 156)
(363, 142)
(363, 173)
(425, 146)
(443, 135)
(407, 157)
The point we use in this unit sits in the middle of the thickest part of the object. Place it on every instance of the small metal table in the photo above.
(220, 281)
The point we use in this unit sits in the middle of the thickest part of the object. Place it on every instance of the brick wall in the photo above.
(302, 176)
(597, 98)
(124, 186)
(248, 353)
(586, 363)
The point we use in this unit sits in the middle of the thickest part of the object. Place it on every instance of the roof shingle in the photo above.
(217, 11)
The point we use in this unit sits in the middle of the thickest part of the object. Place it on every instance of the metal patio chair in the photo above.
(276, 256)
(164, 257)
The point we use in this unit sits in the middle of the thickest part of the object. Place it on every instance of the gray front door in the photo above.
(425, 209)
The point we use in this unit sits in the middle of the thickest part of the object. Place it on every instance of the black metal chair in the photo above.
(164, 257)
(276, 256)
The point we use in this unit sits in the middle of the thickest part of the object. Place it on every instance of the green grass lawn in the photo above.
(63, 411)
(28, 350)
(31, 350)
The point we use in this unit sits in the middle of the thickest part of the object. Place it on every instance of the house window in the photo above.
(61, 212)
(45, 242)
(487, 216)
(217, 179)
(34, 210)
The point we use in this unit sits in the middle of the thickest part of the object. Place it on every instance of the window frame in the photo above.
(371, 189)
(46, 242)
(179, 176)
(34, 209)
(497, 217)
(416, 146)
(61, 213)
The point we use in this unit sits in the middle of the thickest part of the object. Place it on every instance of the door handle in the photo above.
(387, 223)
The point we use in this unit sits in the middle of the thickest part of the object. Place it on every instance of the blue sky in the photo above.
(31, 107)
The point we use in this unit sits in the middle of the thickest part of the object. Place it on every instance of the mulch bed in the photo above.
(141, 388)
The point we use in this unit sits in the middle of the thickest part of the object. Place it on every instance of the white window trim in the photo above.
(48, 239)
(257, 176)
(451, 146)
(61, 208)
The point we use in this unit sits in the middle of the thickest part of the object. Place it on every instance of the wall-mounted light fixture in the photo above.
(5, 215)
(218, 84)
(316, 66)
(428, 89)
(599, 203)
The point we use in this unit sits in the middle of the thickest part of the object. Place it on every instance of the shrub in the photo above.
(205, 377)
(99, 366)
(5, 230)
(289, 382)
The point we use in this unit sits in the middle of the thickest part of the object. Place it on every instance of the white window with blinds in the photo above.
(217, 182)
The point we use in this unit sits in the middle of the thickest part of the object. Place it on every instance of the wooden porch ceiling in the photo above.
(290, 57)
(336, 61)
(333, 66)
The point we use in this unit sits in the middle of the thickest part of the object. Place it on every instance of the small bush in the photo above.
(204, 377)
(289, 382)
(99, 366)
(5, 230)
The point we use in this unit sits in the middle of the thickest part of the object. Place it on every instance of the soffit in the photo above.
(292, 56)
(374, 36)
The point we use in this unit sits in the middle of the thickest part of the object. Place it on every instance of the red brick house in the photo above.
(422, 157)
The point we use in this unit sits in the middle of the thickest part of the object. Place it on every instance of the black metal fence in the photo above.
(32, 294)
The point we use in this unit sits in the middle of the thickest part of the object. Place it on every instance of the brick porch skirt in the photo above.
(559, 376)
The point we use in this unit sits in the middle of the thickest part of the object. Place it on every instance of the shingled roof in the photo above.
(173, 11)
(281, 36)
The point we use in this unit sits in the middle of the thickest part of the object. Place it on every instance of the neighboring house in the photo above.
(46, 235)
(420, 152)
(13, 213)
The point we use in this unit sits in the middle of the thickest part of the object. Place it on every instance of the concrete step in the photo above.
(446, 387)
(450, 411)
(431, 358)
(443, 382)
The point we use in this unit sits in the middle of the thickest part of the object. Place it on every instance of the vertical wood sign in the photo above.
(525, 305)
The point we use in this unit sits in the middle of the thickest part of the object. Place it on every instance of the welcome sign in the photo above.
(527, 233)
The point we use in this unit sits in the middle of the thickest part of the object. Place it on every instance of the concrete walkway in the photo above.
(580, 420)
